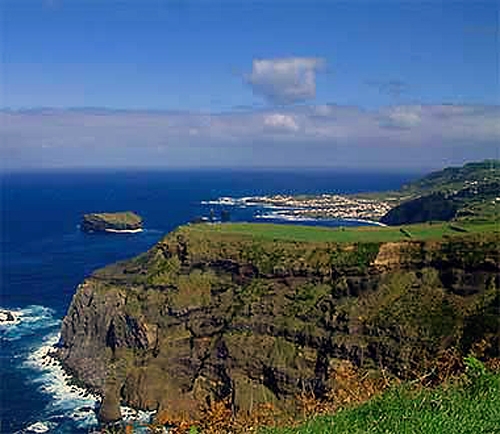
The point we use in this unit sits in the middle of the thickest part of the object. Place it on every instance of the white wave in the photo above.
(369, 222)
(9, 317)
(137, 417)
(39, 427)
(69, 403)
(30, 321)
(44, 371)
(123, 231)
(249, 201)
(67, 399)
(228, 201)
(286, 217)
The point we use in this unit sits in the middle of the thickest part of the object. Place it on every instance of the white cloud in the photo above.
(280, 122)
(429, 135)
(285, 80)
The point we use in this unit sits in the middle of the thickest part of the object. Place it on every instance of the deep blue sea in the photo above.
(44, 256)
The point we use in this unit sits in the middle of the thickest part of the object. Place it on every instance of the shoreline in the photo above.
(62, 386)
(294, 218)
(315, 207)
(371, 222)
(124, 231)
(68, 400)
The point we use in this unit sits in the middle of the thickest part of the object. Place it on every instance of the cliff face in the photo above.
(203, 318)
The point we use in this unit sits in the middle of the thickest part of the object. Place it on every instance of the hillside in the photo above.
(469, 405)
(452, 179)
(228, 314)
(470, 192)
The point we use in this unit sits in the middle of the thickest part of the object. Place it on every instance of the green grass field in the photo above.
(424, 231)
(470, 408)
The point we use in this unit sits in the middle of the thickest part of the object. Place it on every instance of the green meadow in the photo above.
(423, 231)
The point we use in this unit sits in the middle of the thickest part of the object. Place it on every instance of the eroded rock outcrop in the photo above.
(202, 318)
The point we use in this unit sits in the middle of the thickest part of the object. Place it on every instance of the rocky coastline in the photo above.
(201, 319)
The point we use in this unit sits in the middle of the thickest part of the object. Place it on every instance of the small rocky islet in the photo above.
(112, 222)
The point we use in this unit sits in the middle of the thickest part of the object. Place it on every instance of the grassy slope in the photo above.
(479, 205)
(472, 408)
(455, 178)
(423, 231)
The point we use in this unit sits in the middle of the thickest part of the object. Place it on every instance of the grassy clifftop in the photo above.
(423, 231)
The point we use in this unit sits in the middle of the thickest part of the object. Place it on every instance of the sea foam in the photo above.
(69, 401)
(66, 399)
(30, 321)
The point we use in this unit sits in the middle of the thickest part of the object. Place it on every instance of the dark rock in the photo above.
(109, 411)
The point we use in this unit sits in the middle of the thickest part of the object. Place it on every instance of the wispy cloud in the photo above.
(285, 80)
(396, 136)
(402, 117)
(393, 88)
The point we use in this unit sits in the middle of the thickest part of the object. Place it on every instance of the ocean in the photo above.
(44, 256)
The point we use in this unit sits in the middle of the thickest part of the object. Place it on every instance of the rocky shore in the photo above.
(89, 401)
(9, 316)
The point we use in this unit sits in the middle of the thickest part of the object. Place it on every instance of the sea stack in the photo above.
(116, 222)
(8, 317)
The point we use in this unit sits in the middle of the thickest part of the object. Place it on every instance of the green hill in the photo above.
(453, 179)
(470, 192)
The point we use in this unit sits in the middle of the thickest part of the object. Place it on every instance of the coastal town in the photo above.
(325, 206)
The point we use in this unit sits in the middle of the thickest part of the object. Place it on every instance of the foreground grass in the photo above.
(424, 231)
(472, 408)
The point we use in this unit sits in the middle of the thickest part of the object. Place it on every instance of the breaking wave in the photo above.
(70, 408)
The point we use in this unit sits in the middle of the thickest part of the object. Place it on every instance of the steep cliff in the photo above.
(203, 317)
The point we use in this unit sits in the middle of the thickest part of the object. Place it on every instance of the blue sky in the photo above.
(216, 71)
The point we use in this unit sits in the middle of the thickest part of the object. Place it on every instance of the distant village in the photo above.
(324, 206)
